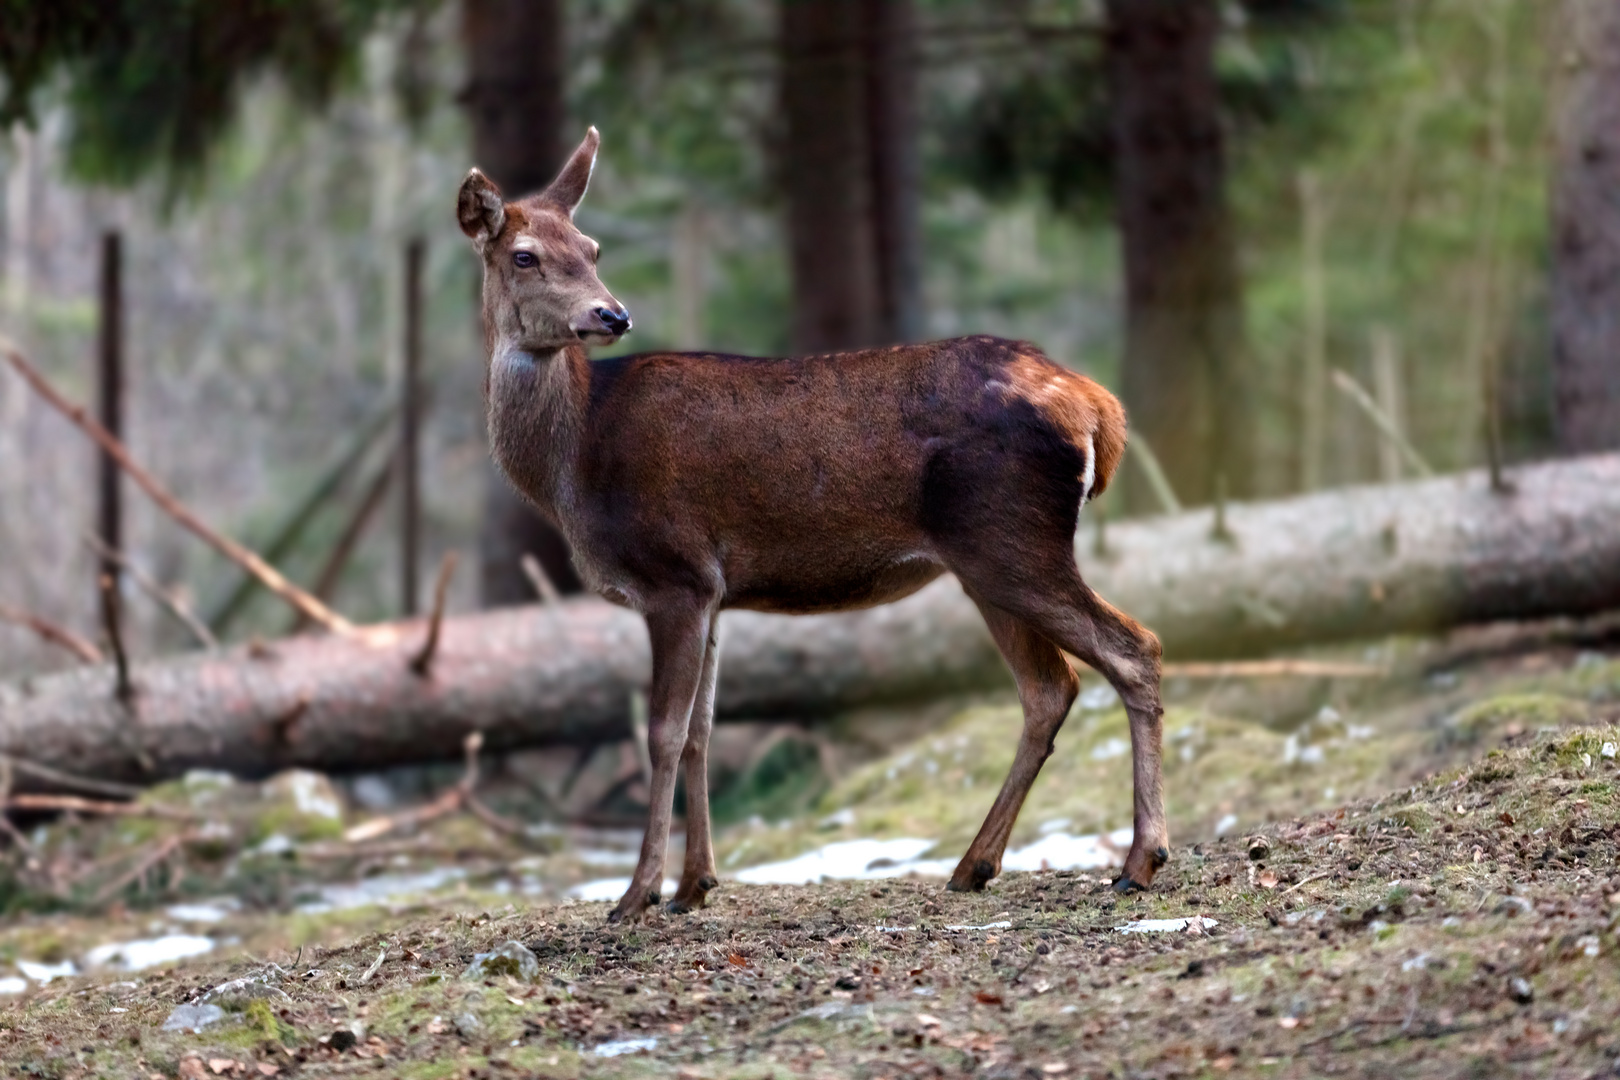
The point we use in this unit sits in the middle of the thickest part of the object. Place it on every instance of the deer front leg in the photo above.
(698, 875)
(678, 633)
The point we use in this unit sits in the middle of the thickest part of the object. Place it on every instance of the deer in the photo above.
(690, 483)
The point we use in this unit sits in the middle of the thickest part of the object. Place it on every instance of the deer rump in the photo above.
(834, 481)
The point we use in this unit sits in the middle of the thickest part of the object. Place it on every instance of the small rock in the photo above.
(192, 1068)
(193, 1017)
(467, 1025)
(1259, 848)
(238, 992)
(511, 958)
(1520, 990)
(342, 1039)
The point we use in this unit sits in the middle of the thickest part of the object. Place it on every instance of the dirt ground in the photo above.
(1462, 923)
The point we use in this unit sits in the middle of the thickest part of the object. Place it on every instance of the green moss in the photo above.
(1529, 710)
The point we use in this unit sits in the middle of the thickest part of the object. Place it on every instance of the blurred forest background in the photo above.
(1306, 186)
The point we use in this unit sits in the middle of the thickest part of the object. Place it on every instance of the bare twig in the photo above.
(1385, 424)
(454, 799)
(62, 779)
(170, 602)
(143, 865)
(1156, 478)
(98, 807)
(51, 632)
(423, 660)
(382, 954)
(332, 569)
(1301, 884)
(248, 560)
(543, 586)
(124, 689)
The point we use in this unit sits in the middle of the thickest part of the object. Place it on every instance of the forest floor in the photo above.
(1437, 894)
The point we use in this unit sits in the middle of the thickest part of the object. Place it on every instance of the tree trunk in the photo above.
(1401, 558)
(1586, 233)
(1184, 378)
(849, 170)
(515, 102)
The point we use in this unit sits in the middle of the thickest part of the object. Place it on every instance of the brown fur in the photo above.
(691, 483)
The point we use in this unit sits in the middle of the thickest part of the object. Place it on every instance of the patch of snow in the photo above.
(13, 984)
(274, 844)
(373, 792)
(1099, 697)
(1166, 926)
(1608, 750)
(1055, 825)
(382, 889)
(1001, 925)
(842, 819)
(605, 857)
(1060, 851)
(208, 912)
(150, 952)
(1226, 824)
(611, 889)
(44, 973)
(849, 859)
(1110, 749)
(622, 1046)
(312, 794)
(1360, 731)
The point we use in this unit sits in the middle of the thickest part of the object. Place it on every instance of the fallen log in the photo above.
(1357, 562)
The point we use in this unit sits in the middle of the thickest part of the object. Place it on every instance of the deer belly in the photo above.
(829, 584)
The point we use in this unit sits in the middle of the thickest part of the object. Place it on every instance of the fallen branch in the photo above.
(60, 779)
(248, 560)
(326, 582)
(149, 585)
(423, 660)
(51, 632)
(97, 807)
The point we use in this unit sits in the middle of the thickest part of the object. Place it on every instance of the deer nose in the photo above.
(617, 322)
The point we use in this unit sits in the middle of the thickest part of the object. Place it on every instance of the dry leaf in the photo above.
(985, 997)
(267, 1069)
(928, 1021)
(1267, 879)
(221, 1065)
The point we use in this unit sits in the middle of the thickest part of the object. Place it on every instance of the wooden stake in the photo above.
(110, 384)
(409, 430)
(125, 690)
(248, 560)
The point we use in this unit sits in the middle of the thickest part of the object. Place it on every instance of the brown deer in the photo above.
(688, 483)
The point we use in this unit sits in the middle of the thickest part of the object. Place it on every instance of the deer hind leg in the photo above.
(1125, 653)
(698, 875)
(1047, 687)
(678, 630)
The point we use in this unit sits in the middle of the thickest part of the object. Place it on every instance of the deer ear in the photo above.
(479, 208)
(569, 187)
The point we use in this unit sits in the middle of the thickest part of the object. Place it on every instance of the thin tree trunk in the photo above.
(1185, 377)
(827, 175)
(515, 101)
(890, 55)
(110, 398)
(1586, 232)
(1355, 563)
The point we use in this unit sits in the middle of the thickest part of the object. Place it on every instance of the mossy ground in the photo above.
(1449, 908)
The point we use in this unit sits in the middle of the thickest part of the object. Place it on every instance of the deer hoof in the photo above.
(972, 878)
(1125, 886)
(690, 899)
(1160, 857)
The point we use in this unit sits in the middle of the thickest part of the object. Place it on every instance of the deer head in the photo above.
(541, 291)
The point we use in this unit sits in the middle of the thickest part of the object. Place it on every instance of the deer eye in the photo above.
(524, 260)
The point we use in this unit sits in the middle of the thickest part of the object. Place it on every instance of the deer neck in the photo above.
(536, 414)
